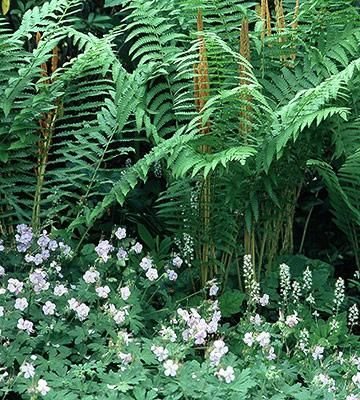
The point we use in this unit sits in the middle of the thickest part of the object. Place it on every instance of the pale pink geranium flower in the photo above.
(21, 304)
(152, 274)
(146, 263)
(119, 316)
(170, 368)
(160, 352)
(42, 387)
(292, 320)
(214, 288)
(103, 291)
(82, 311)
(15, 286)
(25, 325)
(264, 300)
(60, 290)
(263, 339)
(125, 293)
(249, 339)
(172, 275)
(177, 262)
(318, 353)
(120, 233)
(49, 308)
(28, 370)
(227, 374)
(91, 275)
(137, 248)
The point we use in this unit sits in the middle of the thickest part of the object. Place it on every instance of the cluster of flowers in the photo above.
(45, 254)
(191, 328)
(105, 248)
(37, 251)
(188, 328)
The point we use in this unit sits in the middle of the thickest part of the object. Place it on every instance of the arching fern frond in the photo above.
(308, 107)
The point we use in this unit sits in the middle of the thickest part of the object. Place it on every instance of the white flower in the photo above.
(21, 304)
(339, 295)
(160, 352)
(353, 315)
(2, 291)
(213, 290)
(146, 263)
(49, 308)
(170, 368)
(177, 262)
(42, 387)
(91, 275)
(2, 271)
(120, 233)
(82, 311)
(172, 275)
(119, 317)
(28, 370)
(168, 334)
(25, 325)
(125, 293)
(285, 285)
(126, 337)
(152, 274)
(219, 350)
(103, 291)
(226, 374)
(73, 304)
(271, 356)
(184, 314)
(121, 254)
(3, 375)
(356, 379)
(38, 278)
(256, 320)
(125, 358)
(2, 311)
(60, 290)
(264, 300)
(304, 341)
(263, 339)
(318, 353)
(307, 279)
(15, 286)
(292, 320)
(249, 339)
(310, 299)
(137, 248)
(103, 249)
(352, 397)
(251, 285)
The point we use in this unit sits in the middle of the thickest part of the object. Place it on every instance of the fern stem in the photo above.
(306, 225)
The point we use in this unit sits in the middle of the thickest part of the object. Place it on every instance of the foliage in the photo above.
(223, 133)
(111, 328)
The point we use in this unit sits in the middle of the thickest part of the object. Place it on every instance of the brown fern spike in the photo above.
(266, 18)
(245, 97)
(295, 23)
(203, 86)
(201, 90)
(280, 24)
